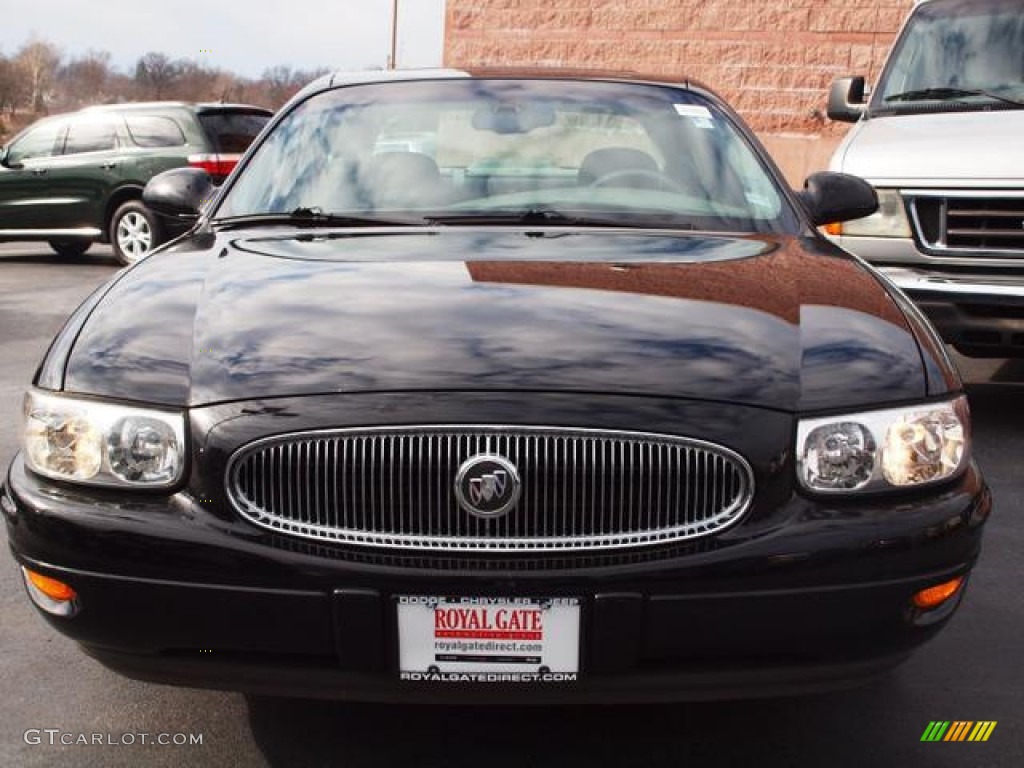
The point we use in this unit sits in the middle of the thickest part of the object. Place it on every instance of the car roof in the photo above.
(344, 77)
(197, 106)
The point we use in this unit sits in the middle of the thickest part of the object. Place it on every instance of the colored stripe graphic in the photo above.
(958, 730)
(982, 731)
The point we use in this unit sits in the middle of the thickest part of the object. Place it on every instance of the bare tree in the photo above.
(85, 79)
(231, 87)
(12, 86)
(196, 82)
(155, 74)
(281, 83)
(278, 83)
(33, 81)
(38, 62)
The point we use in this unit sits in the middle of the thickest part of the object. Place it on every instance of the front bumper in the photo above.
(931, 285)
(979, 314)
(976, 304)
(172, 593)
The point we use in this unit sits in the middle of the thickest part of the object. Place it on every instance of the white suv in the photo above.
(942, 140)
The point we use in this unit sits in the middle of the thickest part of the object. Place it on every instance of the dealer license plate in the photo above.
(488, 639)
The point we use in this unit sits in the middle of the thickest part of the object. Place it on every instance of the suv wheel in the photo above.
(134, 232)
(70, 249)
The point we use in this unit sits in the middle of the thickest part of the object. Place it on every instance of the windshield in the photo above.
(957, 54)
(464, 150)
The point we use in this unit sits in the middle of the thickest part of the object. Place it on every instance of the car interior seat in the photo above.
(403, 180)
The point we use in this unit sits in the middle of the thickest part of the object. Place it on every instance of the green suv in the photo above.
(76, 179)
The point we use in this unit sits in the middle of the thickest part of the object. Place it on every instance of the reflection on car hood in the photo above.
(937, 146)
(765, 322)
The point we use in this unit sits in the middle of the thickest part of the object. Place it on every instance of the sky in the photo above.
(243, 36)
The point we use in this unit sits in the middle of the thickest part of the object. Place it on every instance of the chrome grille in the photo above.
(581, 489)
(957, 222)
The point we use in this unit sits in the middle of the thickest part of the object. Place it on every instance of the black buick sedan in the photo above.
(498, 387)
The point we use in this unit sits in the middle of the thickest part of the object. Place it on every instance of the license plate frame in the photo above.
(476, 639)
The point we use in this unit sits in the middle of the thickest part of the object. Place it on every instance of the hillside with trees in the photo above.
(39, 79)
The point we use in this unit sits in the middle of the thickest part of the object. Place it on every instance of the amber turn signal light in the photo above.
(937, 595)
(53, 589)
(49, 594)
(833, 228)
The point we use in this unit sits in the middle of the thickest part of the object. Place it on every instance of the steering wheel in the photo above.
(639, 178)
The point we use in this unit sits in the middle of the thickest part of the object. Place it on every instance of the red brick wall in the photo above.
(771, 59)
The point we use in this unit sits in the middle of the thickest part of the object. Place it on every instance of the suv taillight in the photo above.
(218, 166)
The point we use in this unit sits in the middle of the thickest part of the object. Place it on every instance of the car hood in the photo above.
(781, 323)
(944, 147)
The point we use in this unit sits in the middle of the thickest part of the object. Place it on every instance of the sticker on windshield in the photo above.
(701, 116)
(693, 110)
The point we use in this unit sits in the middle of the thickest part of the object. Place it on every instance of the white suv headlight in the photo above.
(99, 443)
(890, 220)
(883, 450)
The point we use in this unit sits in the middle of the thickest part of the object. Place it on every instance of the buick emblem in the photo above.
(487, 485)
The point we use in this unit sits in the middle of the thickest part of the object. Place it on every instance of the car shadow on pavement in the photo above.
(857, 727)
(53, 260)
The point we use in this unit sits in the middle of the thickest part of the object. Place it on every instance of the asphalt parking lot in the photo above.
(972, 671)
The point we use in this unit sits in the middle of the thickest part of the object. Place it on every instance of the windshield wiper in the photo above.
(314, 217)
(544, 217)
(951, 94)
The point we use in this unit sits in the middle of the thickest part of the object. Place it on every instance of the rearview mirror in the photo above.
(833, 197)
(506, 118)
(180, 193)
(846, 99)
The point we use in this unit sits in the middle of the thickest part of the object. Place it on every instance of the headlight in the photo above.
(101, 443)
(879, 450)
(890, 220)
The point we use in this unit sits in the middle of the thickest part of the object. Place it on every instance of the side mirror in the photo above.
(832, 197)
(846, 99)
(7, 163)
(180, 193)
